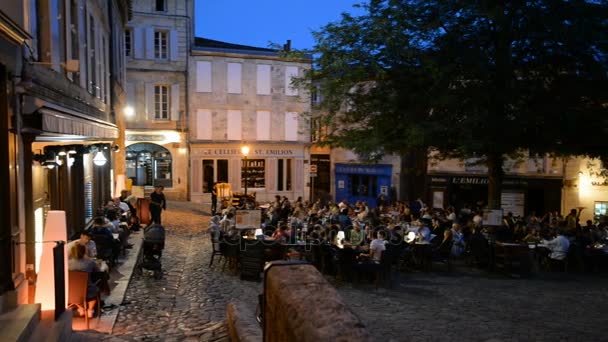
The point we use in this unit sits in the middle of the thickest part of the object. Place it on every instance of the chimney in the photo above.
(287, 46)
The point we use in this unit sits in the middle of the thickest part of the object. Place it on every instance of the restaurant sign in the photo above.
(254, 152)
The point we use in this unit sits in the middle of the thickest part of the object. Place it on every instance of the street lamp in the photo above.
(245, 152)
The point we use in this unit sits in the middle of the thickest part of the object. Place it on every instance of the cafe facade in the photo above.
(268, 169)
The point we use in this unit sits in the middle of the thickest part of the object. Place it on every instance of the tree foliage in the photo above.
(467, 77)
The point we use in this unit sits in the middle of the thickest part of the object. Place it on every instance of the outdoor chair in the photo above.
(77, 294)
(215, 247)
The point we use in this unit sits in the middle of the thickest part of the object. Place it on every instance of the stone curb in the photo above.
(242, 325)
(108, 319)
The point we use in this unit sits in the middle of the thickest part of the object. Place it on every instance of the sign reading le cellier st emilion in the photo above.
(255, 152)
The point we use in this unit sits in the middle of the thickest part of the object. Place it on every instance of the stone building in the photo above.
(62, 80)
(243, 96)
(157, 42)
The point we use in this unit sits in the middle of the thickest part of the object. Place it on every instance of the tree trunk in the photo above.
(495, 177)
(413, 175)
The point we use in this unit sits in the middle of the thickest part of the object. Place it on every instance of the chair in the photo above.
(230, 252)
(77, 293)
(107, 249)
(215, 247)
(443, 254)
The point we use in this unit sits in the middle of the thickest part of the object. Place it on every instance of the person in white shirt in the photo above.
(376, 247)
(558, 247)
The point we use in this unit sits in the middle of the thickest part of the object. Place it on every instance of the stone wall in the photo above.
(300, 305)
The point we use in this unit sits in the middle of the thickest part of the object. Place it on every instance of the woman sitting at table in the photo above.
(78, 261)
(282, 234)
(356, 235)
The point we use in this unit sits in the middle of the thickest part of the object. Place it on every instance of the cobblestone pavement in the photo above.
(189, 303)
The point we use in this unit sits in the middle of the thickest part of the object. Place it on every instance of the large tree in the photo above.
(485, 78)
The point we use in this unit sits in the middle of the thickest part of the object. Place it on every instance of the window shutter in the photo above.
(149, 42)
(138, 42)
(235, 125)
(150, 101)
(203, 77)
(173, 44)
(203, 124)
(131, 97)
(291, 72)
(263, 125)
(291, 126)
(263, 79)
(234, 78)
(175, 102)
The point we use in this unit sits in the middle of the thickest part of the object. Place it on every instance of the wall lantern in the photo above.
(99, 159)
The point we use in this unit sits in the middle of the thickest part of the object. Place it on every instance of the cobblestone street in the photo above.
(189, 302)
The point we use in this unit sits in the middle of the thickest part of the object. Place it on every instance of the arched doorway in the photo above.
(149, 164)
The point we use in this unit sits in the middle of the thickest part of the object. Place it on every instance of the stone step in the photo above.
(19, 323)
(51, 330)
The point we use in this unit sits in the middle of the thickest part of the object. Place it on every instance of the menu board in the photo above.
(248, 219)
(513, 202)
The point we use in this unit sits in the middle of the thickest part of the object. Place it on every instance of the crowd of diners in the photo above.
(450, 232)
(96, 248)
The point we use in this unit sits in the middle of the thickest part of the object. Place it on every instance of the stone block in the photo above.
(300, 305)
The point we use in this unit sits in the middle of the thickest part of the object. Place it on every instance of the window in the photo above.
(92, 72)
(74, 38)
(284, 171)
(599, 209)
(210, 175)
(253, 173)
(234, 78)
(128, 41)
(363, 185)
(263, 125)
(291, 126)
(263, 79)
(161, 102)
(234, 125)
(160, 6)
(204, 124)
(160, 45)
(149, 164)
(203, 77)
(291, 72)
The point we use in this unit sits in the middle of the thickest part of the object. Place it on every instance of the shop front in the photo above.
(520, 195)
(266, 170)
(361, 182)
(157, 158)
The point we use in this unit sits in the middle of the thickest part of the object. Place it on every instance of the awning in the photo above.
(52, 125)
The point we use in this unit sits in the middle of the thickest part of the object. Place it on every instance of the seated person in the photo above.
(532, 236)
(458, 244)
(376, 247)
(85, 240)
(78, 261)
(101, 227)
(423, 235)
(282, 234)
(357, 236)
(558, 246)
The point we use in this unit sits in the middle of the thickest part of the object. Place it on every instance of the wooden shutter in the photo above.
(175, 102)
(150, 101)
(173, 45)
(149, 42)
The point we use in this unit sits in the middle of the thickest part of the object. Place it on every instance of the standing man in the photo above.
(157, 203)
(214, 199)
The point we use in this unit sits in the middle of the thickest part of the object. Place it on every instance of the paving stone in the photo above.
(189, 302)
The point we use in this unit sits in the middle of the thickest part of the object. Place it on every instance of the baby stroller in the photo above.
(153, 245)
